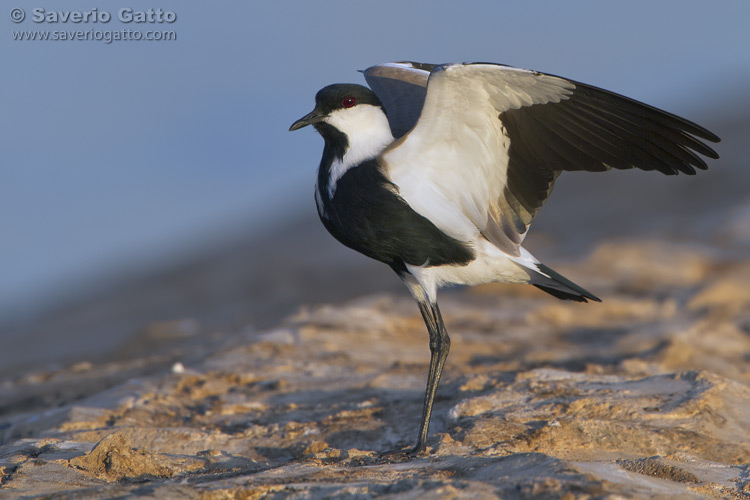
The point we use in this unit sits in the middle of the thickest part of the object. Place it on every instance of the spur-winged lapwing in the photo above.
(439, 170)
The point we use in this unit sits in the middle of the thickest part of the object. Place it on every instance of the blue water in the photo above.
(116, 157)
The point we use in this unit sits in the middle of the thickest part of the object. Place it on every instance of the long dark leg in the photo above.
(440, 344)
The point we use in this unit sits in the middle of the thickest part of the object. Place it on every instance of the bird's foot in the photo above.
(405, 454)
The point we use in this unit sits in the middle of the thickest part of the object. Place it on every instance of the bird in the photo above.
(438, 171)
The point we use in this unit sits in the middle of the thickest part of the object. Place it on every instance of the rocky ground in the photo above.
(646, 395)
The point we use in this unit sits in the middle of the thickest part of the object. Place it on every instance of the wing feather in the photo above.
(484, 153)
(401, 87)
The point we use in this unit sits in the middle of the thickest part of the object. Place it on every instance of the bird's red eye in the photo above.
(349, 101)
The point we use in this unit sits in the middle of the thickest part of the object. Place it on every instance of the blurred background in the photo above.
(151, 196)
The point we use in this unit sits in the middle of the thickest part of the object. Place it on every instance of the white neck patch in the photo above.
(367, 130)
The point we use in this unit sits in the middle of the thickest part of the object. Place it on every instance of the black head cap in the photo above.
(337, 96)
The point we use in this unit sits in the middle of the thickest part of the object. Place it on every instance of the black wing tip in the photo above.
(704, 134)
(677, 122)
(710, 153)
(713, 138)
(704, 149)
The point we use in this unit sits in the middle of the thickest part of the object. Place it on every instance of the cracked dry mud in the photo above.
(646, 395)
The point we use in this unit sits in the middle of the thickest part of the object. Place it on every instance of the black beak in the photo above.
(313, 117)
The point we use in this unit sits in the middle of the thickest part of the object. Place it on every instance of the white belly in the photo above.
(490, 265)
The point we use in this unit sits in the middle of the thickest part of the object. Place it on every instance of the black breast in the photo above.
(365, 214)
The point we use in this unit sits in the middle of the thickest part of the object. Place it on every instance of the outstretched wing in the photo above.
(491, 140)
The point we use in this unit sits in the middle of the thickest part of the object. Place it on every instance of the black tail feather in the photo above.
(562, 295)
(561, 287)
